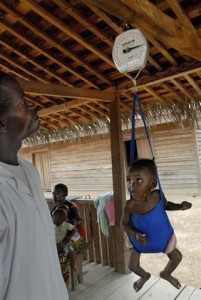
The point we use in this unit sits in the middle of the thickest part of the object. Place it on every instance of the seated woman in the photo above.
(59, 196)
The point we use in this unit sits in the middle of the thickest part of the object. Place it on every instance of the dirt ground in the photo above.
(187, 226)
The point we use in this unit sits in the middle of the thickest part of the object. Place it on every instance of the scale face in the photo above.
(130, 51)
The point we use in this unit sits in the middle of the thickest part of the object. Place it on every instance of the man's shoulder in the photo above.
(27, 164)
(23, 161)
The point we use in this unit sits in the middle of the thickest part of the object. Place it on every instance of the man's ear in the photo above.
(2, 127)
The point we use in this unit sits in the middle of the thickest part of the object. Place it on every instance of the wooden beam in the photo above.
(149, 19)
(182, 89)
(119, 189)
(68, 31)
(99, 111)
(161, 77)
(21, 18)
(61, 107)
(55, 90)
(155, 95)
(167, 87)
(193, 83)
(181, 15)
(164, 28)
(119, 30)
(84, 20)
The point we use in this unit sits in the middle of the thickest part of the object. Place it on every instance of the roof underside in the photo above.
(63, 48)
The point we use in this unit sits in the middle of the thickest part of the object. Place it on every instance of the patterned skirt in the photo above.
(65, 267)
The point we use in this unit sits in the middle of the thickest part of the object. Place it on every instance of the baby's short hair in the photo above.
(144, 164)
(60, 212)
(63, 207)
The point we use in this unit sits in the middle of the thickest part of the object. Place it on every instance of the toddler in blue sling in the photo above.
(145, 221)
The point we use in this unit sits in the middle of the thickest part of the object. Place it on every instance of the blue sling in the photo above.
(155, 223)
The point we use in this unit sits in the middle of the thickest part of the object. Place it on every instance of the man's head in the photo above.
(17, 119)
(60, 192)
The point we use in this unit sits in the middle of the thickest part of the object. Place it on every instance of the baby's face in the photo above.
(139, 183)
(57, 220)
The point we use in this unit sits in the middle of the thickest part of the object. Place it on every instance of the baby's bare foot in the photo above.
(171, 279)
(140, 282)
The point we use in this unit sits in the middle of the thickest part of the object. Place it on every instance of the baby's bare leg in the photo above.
(134, 266)
(175, 257)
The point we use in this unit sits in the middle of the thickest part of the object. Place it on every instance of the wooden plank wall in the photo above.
(198, 143)
(176, 159)
(84, 167)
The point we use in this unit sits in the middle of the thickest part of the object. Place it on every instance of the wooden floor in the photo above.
(102, 283)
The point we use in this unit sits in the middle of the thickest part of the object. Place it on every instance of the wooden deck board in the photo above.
(102, 283)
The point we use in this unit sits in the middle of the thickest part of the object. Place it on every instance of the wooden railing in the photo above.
(102, 249)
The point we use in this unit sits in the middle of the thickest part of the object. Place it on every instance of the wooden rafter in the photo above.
(182, 16)
(50, 89)
(151, 20)
(56, 44)
(154, 94)
(60, 50)
(84, 21)
(99, 111)
(182, 89)
(162, 77)
(193, 83)
(64, 28)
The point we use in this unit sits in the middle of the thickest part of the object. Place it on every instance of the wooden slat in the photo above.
(111, 246)
(96, 236)
(182, 17)
(50, 89)
(104, 250)
(193, 83)
(162, 290)
(87, 214)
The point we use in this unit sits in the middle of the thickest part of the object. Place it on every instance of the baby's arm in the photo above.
(176, 206)
(125, 223)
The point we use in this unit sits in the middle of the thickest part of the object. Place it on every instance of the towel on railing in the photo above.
(104, 203)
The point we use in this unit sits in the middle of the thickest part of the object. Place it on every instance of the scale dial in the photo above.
(130, 51)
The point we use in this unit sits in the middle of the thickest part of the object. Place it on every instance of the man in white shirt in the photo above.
(29, 266)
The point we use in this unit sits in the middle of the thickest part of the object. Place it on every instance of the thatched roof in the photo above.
(60, 50)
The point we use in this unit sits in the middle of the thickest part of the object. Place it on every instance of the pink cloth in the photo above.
(110, 211)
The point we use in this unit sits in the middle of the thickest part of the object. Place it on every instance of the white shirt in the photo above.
(61, 231)
(29, 266)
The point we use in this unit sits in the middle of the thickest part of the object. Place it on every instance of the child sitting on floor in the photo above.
(145, 221)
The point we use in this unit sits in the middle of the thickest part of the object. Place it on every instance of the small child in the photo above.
(145, 221)
(62, 229)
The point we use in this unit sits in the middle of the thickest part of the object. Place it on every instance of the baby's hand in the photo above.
(185, 205)
(141, 238)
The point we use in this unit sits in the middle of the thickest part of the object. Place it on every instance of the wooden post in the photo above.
(118, 172)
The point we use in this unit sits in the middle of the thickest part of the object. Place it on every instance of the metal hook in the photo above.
(133, 79)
